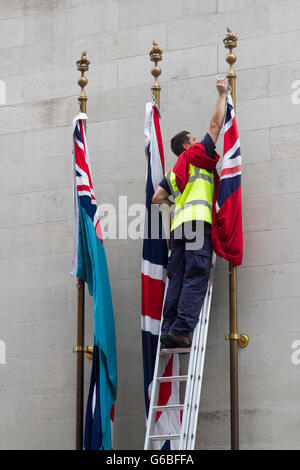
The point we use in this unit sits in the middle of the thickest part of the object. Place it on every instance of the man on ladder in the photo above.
(191, 183)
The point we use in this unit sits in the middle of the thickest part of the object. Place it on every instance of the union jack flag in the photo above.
(154, 263)
(227, 229)
(89, 264)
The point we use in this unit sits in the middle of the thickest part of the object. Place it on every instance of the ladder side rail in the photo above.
(189, 415)
(154, 390)
(154, 395)
(197, 386)
(189, 398)
(197, 397)
(189, 386)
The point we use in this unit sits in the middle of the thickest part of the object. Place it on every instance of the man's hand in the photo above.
(222, 86)
(161, 196)
(217, 118)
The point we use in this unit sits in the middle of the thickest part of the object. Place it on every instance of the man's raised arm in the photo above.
(217, 118)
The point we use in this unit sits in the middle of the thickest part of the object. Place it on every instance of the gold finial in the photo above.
(156, 56)
(83, 66)
(230, 42)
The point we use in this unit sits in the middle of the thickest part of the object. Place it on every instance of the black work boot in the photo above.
(166, 343)
(178, 340)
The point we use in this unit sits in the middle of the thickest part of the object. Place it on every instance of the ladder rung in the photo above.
(168, 407)
(174, 378)
(175, 351)
(163, 437)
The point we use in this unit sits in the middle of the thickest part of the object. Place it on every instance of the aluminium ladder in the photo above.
(193, 380)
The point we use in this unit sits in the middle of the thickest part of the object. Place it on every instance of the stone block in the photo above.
(284, 211)
(263, 347)
(267, 316)
(35, 116)
(91, 19)
(284, 142)
(255, 146)
(283, 16)
(256, 423)
(122, 295)
(254, 283)
(282, 77)
(137, 12)
(128, 329)
(256, 213)
(116, 45)
(33, 305)
(285, 426)
(53, 26)
(130, 355)
(135, 71)
(190, 63)
(117, 104)
(206, 29)
(101, 137)
(256, 180)
(46, 143)
(11, 147)
(213, 429)
(11, 8)
(128, 440)
(51, 174)
(126, 390)
(43, 56)
(284, 281)
(190, 93)
(38, 7)
(36, 207)
(12, 32)
(14, 89)
(40, 239)
(284, 176)
(30, 273)
(252, 85)
(249, 5)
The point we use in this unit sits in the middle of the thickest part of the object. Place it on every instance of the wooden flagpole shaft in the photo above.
(230, 42)
(82, 66)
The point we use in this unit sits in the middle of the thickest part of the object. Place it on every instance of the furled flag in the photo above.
(154, 263)
(89, 264)
(227, 229)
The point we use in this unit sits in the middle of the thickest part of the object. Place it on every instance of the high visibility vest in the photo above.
(195, 203)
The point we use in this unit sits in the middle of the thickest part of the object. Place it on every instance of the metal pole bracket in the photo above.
(88, 350)
(242, 339)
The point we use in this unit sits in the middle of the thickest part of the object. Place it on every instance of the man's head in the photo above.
(182, 141)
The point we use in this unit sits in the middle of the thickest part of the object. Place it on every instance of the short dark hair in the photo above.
(177, 142)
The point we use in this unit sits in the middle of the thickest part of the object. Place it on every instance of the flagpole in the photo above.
(156, 56)
(230, 42)
(82, 66)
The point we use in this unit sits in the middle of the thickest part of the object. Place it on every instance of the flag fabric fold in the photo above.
(89, 263)
(154, 264)
(227, 228)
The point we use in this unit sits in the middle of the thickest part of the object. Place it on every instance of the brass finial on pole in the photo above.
(156, 56)
(82, 66)
(230, 42)
(236, 339)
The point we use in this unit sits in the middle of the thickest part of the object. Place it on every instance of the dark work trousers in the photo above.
(188, 272)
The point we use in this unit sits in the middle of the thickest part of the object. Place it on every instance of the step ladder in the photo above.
(193, 379)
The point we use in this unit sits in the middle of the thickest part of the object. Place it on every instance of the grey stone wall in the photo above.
(40, 43)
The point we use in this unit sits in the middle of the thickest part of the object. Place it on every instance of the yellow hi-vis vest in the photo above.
(195, 203)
